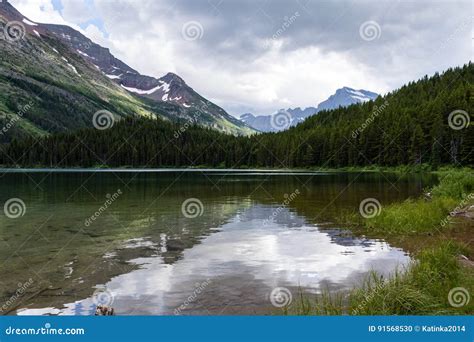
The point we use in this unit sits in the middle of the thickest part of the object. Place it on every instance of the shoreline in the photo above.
(369, 169)
(442, 247)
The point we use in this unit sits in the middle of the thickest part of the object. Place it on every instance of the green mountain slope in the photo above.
(47, 86)
(44, 87)
(165, 91)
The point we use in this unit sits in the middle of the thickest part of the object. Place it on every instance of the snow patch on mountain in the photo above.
(84, 54)
(30, 23)
(165, 86)
(358, 95)
(113, 77)
(141, 91)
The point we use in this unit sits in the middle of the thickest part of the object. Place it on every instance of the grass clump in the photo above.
(422, 215)
(455, 184)
(412, 216)
(434, 284)
(424, 289)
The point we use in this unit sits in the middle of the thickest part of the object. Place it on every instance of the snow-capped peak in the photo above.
(359, 95)
(342, 98)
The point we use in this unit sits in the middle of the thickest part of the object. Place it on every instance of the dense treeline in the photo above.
(409, 126)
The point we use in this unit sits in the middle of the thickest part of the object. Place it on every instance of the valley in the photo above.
(139, 195)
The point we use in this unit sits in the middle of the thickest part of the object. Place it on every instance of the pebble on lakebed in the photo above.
(103, 310)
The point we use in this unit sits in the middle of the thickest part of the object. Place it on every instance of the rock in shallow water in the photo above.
(103, 310)
(175, 245)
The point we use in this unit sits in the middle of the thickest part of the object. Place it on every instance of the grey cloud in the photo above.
(331, 25)
(416, 38)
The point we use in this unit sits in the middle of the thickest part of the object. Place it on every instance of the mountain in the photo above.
(424, 122)
(286, 118)
(281, 120)
(345, 97)
(54, 79)
(170, 88)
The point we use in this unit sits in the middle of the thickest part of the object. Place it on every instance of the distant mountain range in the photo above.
(65, 78)
(286, 118)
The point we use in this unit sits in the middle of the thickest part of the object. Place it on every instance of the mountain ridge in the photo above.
(420, 124)
(70, 65)
(168, 88)
(285, 118)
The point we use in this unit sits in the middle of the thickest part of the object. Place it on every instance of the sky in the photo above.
(262, 55)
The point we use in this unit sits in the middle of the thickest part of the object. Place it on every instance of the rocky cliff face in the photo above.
(65, 78)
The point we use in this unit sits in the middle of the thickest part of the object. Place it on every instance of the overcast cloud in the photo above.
(247, 59)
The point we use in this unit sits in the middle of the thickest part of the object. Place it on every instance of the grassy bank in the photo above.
(431, 284)
(453, 194)
(423, 289)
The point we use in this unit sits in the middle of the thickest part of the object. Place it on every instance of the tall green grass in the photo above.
(414, 216)
(456, 184)
(422, 289)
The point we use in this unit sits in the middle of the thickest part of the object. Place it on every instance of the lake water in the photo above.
(186, 242)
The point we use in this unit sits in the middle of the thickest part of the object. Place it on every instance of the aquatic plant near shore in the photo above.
(436, 283)
(426, 288)
(421, 215)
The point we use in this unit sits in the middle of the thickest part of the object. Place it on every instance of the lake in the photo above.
(187, 242)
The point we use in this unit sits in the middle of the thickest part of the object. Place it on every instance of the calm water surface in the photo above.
(255, 231)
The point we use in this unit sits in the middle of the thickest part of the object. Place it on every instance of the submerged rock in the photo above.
(103, 310)
(467, 212)
(175, 245)
(465, 261)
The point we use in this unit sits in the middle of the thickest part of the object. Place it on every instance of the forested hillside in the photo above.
(426, 121)
(53, 79)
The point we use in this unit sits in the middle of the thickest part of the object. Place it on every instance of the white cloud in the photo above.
(77, 11)
(318, 53)
(96, 35)
(41, 11)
